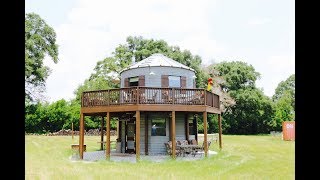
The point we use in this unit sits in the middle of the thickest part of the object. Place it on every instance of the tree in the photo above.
(40, 40)
(252, 111)
(284, 110)
(284, 87)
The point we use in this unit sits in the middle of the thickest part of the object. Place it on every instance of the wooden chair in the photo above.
(200, 150)
(169, 148)
(194, 142)
(153, 99)
(166, 97)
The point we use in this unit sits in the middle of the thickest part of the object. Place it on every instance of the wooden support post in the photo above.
(108, 137)
(81, 136)
(173, 127)
(72, 129)
(220, 131)
(101, 133)
(137, 136)
(186, 120)
(195, 127)
(205, 134)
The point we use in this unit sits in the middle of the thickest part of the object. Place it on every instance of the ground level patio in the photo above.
(125, 157)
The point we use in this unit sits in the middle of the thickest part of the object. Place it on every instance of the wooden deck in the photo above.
(149, 99)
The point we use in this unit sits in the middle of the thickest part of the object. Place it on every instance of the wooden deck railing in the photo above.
(149, 95)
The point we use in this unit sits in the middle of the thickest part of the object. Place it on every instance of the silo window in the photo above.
(134, 81)
(174, 81)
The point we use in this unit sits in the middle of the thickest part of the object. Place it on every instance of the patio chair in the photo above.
(169, 148)
(200, 150)
(184, 142)
(194, 142)
(153, 99)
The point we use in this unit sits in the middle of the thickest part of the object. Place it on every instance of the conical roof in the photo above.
(158, 59)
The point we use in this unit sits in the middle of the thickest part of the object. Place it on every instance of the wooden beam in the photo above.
(72, 129)
(186, 120)
(137, 136)
(101, 133)
(205, 134)
(173, 125)
(195, 127)
(146, 127)
(81, 136)
(149, 107)
(108, 137)
(220, 131)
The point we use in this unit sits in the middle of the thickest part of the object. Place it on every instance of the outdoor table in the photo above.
(189, 148)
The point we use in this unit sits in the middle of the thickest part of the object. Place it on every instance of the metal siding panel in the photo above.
(142, 133)
(155, 80)
(180, 129)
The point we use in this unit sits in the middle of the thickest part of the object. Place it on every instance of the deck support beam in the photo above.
(137, 136)
(101, 133)
(81, 136)
(108, 136)
(205, 142)
(220, 131)
(173, 125)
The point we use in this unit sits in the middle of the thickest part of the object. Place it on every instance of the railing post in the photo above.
(138, 95)
(173, 95)
(108, 100)
(205, 97)
(82, 99)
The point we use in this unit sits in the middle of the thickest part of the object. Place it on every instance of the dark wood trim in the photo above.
(186, 125)
(205, 141)
(81, 136)
(173, 123)
(220, 131)
(141, 81)
(137, 135)
(126, 82)
(119, 130)
(108, 137)
(164, 81)
(170, 128)
(146, 127)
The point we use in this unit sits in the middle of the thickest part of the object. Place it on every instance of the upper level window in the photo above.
(174, 81)
(134, 81)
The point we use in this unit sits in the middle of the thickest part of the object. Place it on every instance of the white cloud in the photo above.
(276, 69)
(259, 21)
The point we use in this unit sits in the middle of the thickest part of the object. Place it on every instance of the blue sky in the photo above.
(259, 32)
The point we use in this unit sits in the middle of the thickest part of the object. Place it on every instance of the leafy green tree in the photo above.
(284, 110)
(40, 40)
(35, 115)
(252, 111)
(284, 87)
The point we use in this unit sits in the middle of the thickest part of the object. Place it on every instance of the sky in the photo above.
(258, 32)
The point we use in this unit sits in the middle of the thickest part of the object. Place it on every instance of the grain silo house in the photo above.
(156, 103)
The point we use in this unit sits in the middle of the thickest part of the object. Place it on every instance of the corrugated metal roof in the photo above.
(157, 59)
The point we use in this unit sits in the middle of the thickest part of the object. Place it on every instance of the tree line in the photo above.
(246, 110)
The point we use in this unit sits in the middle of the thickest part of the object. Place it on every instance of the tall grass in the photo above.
(242, 157)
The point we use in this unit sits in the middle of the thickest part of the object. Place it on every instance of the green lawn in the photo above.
(242, 157)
